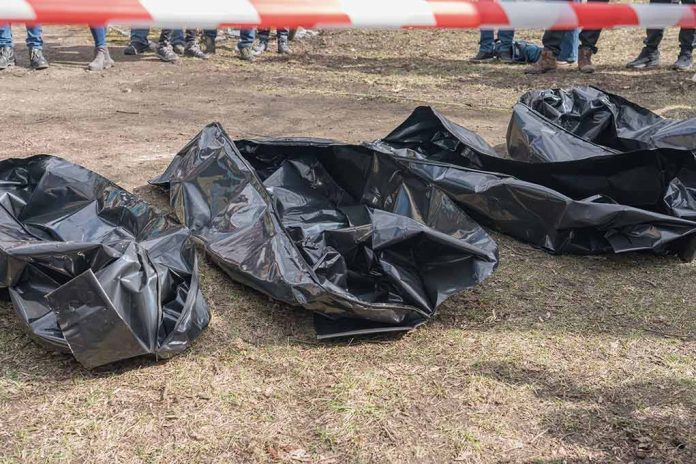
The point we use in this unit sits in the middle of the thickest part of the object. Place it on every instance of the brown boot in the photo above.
(547, 62)
(585, 61)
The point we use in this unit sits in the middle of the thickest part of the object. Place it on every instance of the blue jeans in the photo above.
(487, 42)
(34, 39)
(139, 36)
(99, 36)
(246, 38)
(569, 46)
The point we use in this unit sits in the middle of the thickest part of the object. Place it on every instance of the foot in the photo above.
(483, 57)
(102, 60)
(283, 47)
(194, 50)
(208, 45)
(135, 48)
(179, 49)
(647, 59)
(683, 63)
(37, 60)
(246, 54)
(165, 52)
(505, 56)
(260, 47)
(585, 61)
(546, 63)
(7, 57)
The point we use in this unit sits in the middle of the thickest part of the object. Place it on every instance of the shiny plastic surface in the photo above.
(93, 270)
(342, 230)
(638, 201)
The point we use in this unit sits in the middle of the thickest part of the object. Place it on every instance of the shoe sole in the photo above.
(644, 66)
(490, 60)
(677, 68)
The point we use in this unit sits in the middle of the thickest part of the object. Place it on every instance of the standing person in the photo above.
(246, 41)
(34, 44)
(102, 60)
(139, 43)
(552, 49)
(649, 57)
(264, 37)
(488, 51)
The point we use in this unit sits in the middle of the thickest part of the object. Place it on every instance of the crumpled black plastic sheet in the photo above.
(343, 230)
(619, 203)
(91, 269)
(581, 122)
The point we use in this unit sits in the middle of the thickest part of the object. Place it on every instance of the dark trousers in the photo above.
(686, 36)
(265, 34)
(588, 38)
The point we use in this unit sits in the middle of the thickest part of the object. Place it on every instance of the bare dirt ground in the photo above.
(553, 359)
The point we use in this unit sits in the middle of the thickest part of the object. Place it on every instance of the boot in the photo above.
(283, 47)
(260, 47)
(647, 59)
(7, 57)
(194, 50)
(165, 52)
(585, 61)
(102, 60)
(208, 45)
(547, 62)
(246, 54)
(684, 62)
(37, 60)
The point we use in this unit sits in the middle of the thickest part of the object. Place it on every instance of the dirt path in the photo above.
(554, 359)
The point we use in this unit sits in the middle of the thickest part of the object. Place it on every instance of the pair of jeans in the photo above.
(167, 36)
(246, 38)
(283, 34)
(588, 38)
(687, 37)
(487, 41)
(34, 38)
(569, 46)
(99, 36)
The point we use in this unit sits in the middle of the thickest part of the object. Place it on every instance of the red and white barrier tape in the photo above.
(346, 13)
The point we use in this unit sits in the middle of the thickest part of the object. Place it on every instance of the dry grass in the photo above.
(553, 359)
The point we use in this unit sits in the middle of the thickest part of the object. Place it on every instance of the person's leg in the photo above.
(263, 35)
(165, 52)
(549, 55)
(102, 60)
(6, 36)
(504, 49)
(569, 46)
(486, 51)
(139, 42)
(192, 48)
(246, 40)
(34, 37)
(588, 46)
(99, 36)
(209, 36)
(7, 57)
(687, 37)
(283, 46)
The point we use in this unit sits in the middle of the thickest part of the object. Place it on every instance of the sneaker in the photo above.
(37, 60)
(194, 50)
(179, 49)
(647, 59)
(483, 57)
(246, 54)
(135, 48)
(284, 48)
(683, 63)
(102, 60)
(208, 45)
(585, 61)
(7, 57)
(546, 63)
(260, 47)
(165, 52)
(505, 56)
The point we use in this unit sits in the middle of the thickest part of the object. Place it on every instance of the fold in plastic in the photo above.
(93, 270)
(343, 230)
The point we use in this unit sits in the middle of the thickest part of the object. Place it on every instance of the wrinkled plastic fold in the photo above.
(346, 231)
(91, 269)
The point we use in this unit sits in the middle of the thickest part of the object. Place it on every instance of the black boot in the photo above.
(647, 59)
